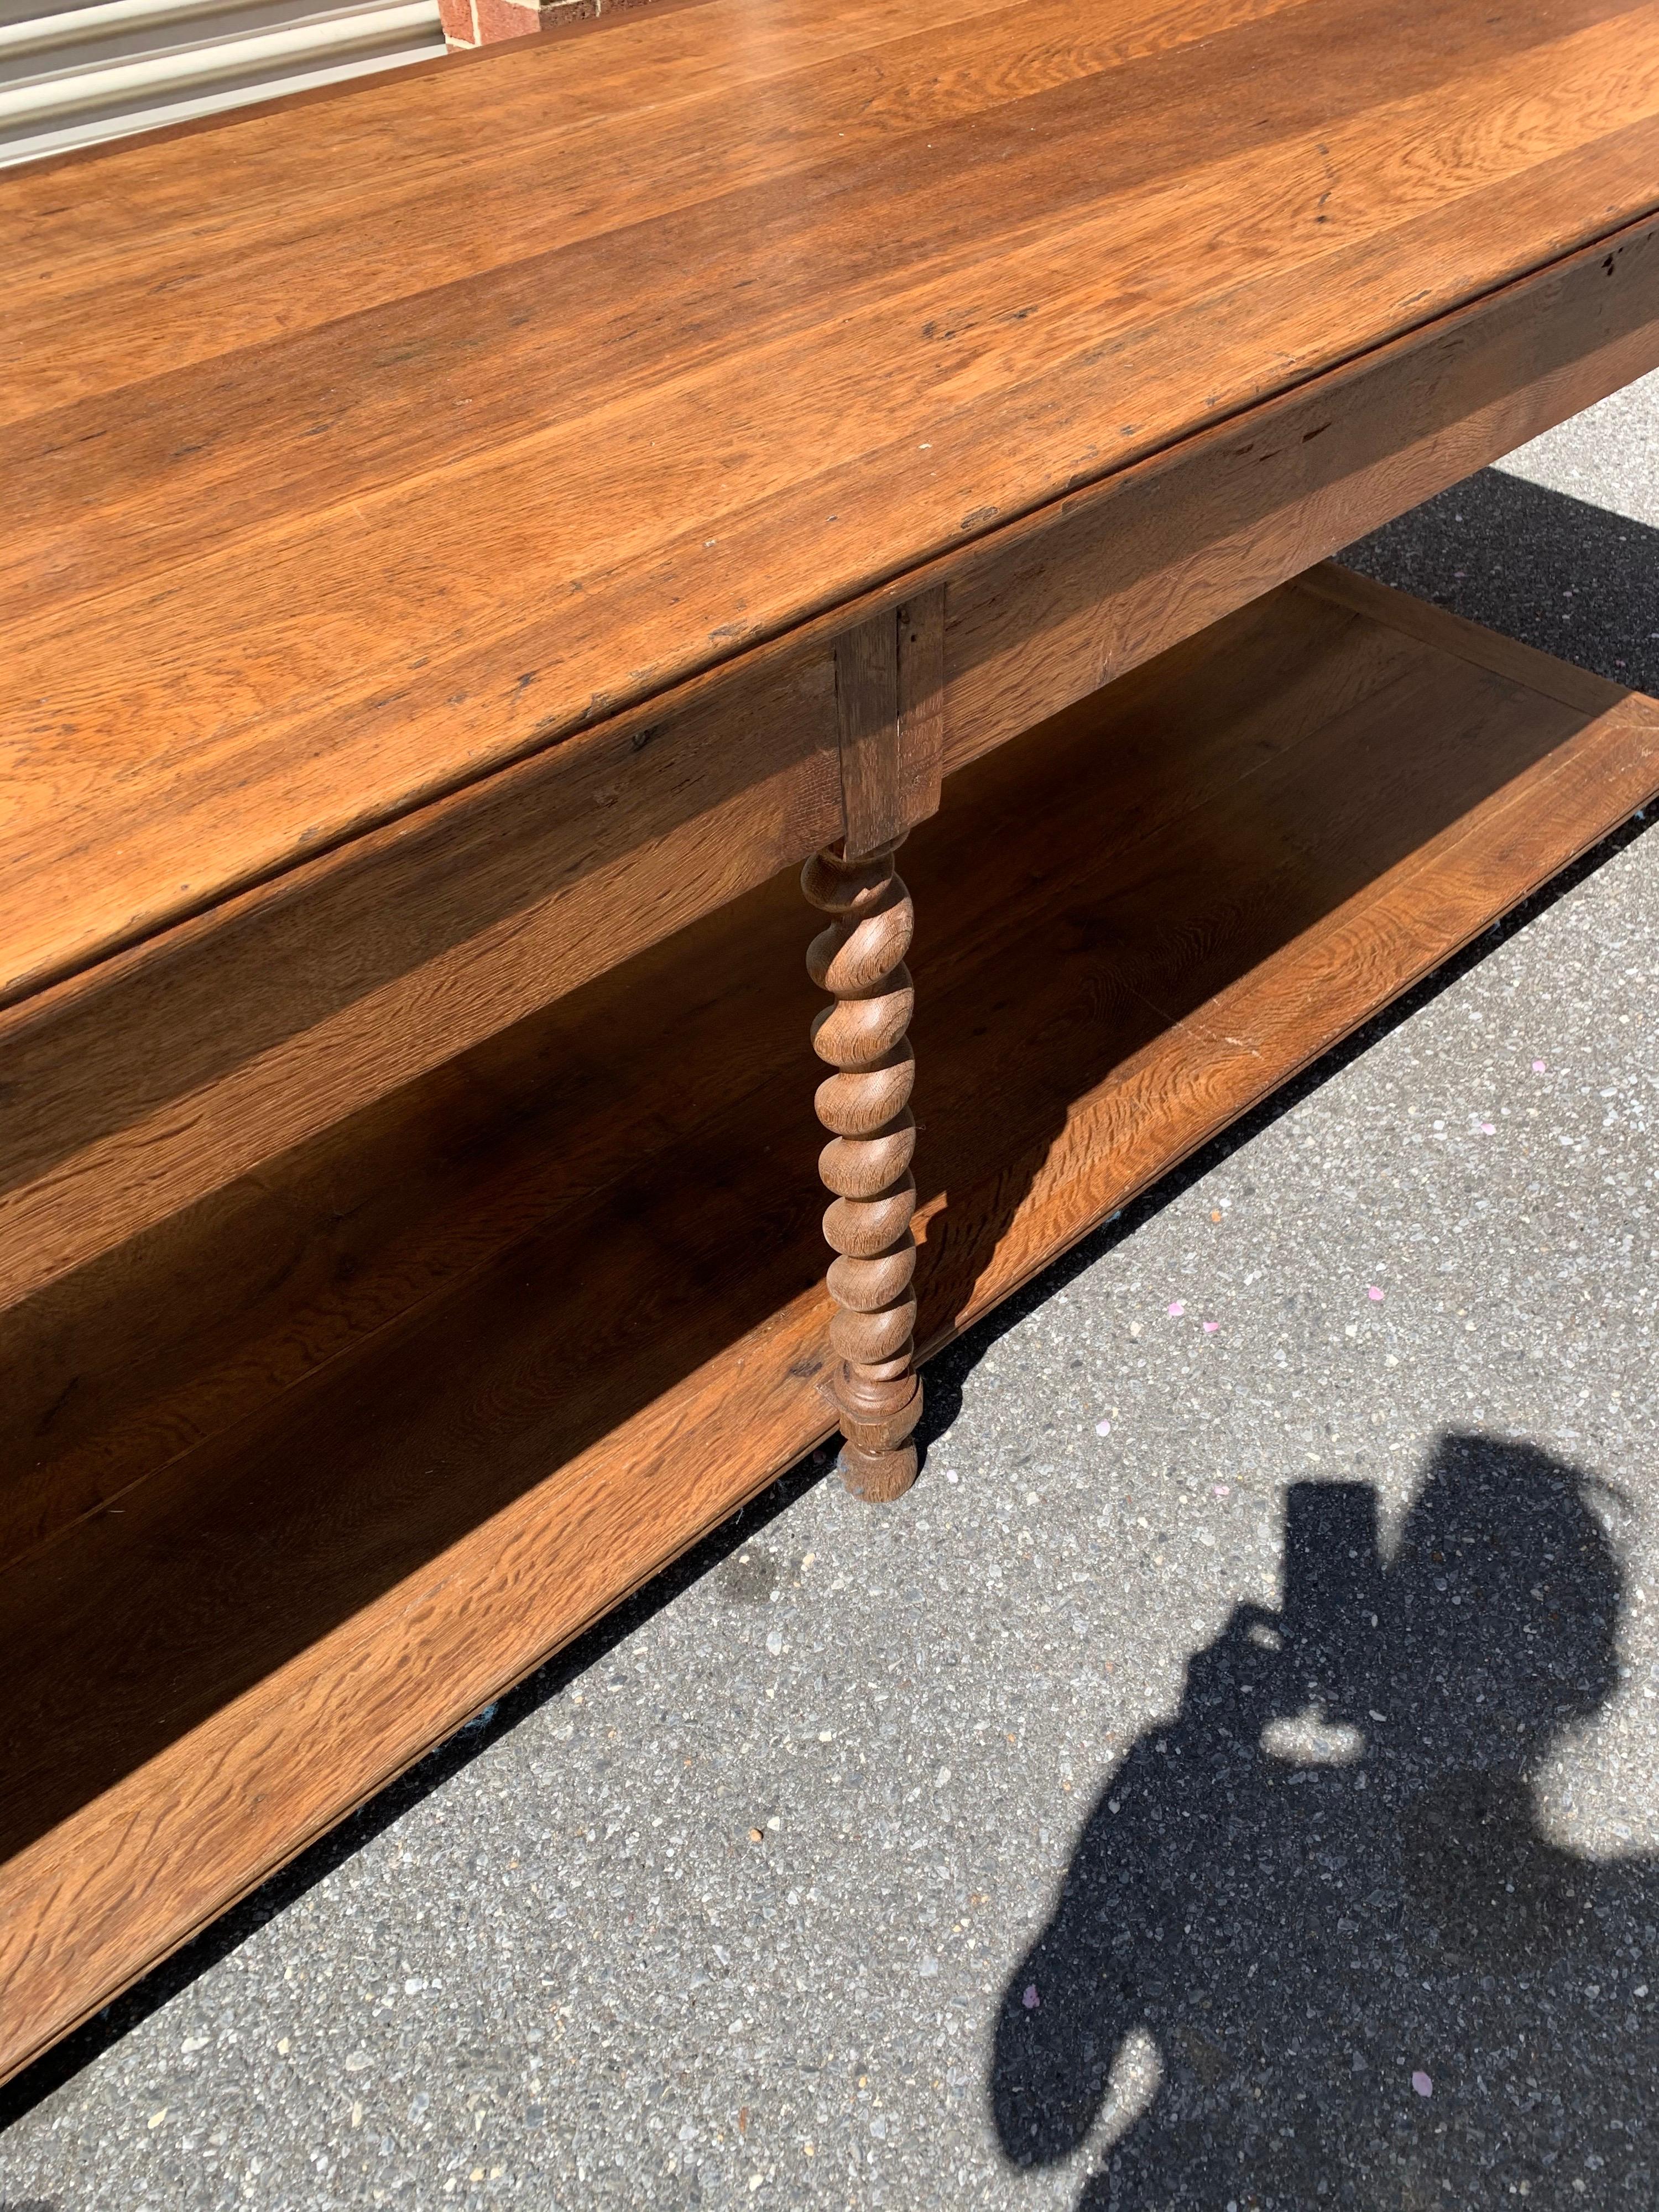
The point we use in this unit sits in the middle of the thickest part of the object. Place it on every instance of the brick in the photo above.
(505, 19)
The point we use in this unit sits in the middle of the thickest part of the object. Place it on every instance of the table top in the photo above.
(359, 446)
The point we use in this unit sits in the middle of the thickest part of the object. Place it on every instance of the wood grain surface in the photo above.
(341, 468)
(298, 1478)
(890, 721)
(137, 1087)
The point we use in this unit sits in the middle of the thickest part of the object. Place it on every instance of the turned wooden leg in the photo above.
(859, 958)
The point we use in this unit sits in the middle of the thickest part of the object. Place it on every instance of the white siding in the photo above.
(98, 71)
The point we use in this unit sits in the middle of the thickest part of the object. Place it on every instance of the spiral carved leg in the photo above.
(859, 958)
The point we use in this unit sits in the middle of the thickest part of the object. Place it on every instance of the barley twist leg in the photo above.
(859, 959)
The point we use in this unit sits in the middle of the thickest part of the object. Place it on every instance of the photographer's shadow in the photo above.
(1313, 1948)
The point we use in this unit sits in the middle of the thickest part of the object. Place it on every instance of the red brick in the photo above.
(505, 19)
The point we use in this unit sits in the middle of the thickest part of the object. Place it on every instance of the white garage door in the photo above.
(87, 72)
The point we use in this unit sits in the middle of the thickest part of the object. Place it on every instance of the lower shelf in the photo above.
(359, 1443)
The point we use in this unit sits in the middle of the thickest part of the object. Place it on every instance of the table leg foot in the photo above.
(877, 1477)
(859, 959)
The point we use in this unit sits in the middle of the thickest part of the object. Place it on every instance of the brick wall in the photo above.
(470, 24)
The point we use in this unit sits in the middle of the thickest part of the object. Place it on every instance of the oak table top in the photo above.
(358, 447)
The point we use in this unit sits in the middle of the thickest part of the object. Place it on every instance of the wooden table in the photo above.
(469, 537)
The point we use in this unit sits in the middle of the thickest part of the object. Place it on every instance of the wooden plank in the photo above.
(149, 1084)
(849, 69)
(921, 698)
(873, 798)
(1437, 627)
(890, 706)
(482, 135)
(513, 1437)
(382, 521)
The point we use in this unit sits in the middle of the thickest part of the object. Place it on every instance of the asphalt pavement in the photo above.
(1230, 1780)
